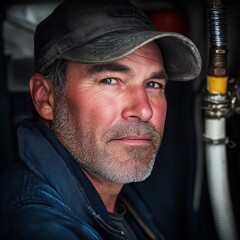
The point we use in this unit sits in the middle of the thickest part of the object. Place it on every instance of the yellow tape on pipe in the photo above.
(217, 84)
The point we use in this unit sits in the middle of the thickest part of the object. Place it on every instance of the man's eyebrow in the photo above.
(159, 75)
(111, 67)
(117, 67)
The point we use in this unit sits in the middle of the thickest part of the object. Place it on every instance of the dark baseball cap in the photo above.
(96, 32)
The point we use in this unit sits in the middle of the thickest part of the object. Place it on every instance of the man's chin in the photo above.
(136, 171)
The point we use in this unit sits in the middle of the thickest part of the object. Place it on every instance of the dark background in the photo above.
(177, 191)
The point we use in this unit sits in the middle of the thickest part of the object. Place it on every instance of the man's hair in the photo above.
(56, 74)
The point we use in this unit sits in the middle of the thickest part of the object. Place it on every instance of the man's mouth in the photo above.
(134, 140)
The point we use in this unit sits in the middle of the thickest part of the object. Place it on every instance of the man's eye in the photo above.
(109, 81)
(154, 85)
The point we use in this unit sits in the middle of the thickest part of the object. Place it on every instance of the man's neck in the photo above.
(107, 190)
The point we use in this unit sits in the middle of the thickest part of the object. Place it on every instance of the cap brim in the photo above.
(182, 60)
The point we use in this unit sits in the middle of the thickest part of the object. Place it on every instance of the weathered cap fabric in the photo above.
(98, 32)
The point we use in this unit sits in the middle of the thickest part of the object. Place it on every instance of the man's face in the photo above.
(111, 117)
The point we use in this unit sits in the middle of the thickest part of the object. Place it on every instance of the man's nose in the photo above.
(137, 105)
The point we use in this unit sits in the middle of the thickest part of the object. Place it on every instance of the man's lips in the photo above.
(134, 140)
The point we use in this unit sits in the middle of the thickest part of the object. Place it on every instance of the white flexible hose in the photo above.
(217, 172)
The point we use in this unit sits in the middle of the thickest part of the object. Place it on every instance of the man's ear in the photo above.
(43, 96)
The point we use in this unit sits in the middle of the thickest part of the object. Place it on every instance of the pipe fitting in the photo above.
(216, 105)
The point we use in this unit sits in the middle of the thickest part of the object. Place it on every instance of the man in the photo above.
(98, 94)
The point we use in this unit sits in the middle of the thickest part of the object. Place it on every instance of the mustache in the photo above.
(133, 128)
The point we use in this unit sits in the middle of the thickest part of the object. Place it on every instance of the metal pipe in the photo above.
(218, 179)
(216, 110)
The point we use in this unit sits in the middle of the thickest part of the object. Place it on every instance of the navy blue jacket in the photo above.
(45, 195)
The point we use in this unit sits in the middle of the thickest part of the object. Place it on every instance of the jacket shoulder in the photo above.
(20, 186)
(43, 222)
(27, 202)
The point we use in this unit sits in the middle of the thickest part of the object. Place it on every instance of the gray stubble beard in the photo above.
(83, 147)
